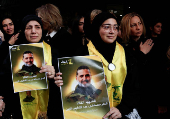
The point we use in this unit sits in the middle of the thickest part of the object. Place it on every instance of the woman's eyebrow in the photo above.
(110, 24)
(106, 24)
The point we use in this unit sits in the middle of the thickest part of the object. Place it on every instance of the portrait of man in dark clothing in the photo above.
(28, 69)
(84, 91)
(28, 98)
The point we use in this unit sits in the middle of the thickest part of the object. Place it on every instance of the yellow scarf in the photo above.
(115, 78)
(38, 107)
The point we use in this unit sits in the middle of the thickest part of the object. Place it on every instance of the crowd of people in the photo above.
(139, 54)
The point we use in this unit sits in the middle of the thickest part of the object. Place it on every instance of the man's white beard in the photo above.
(28, 65)
(84, 85)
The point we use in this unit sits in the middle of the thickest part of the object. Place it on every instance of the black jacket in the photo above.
(148, 73)
(61, 46)
(133, 86)
(11, 99)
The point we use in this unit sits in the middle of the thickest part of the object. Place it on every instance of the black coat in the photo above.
(157, 77)
(157, 73)
(133, 86)
(148, 72)
(62, 45)
(11, 99)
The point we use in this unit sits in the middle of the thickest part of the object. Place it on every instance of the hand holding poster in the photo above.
(26, 61)
(84, 93)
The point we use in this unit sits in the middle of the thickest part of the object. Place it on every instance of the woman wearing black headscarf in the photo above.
(31, 33)
(9, 29)
(103, 44)
(32, 29)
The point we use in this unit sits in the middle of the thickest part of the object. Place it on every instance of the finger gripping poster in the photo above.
(84, 93)
(26, 61)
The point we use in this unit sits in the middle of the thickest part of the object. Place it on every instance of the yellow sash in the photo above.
(38, 107)
(115, 78)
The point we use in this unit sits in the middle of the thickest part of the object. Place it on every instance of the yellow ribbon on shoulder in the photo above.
(114, 79)
(38, 107)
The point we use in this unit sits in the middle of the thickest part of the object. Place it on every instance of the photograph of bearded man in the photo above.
(29, 68)
(84, 91)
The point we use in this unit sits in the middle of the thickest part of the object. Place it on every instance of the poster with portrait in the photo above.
(84, 93)
(26, 61)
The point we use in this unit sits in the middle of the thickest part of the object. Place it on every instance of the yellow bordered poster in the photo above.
(26, 61)
(84, 93)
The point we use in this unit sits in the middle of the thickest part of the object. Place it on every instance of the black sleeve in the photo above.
(131, 88)
(4, 48)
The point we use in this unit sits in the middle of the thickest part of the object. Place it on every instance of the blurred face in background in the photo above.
(45, 25)
(8, 26)
(157, 29)
(81, 24)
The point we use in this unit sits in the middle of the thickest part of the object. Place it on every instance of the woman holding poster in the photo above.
(37, 107)
(124, 95)
(105, 30)
(32, 26)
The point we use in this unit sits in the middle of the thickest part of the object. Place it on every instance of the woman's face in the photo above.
(136, 27)
(108, 30)
(81, 24)
(33, 32)
(8, 26)
(157, 28)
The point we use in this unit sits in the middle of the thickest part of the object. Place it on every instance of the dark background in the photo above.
(149, 9)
